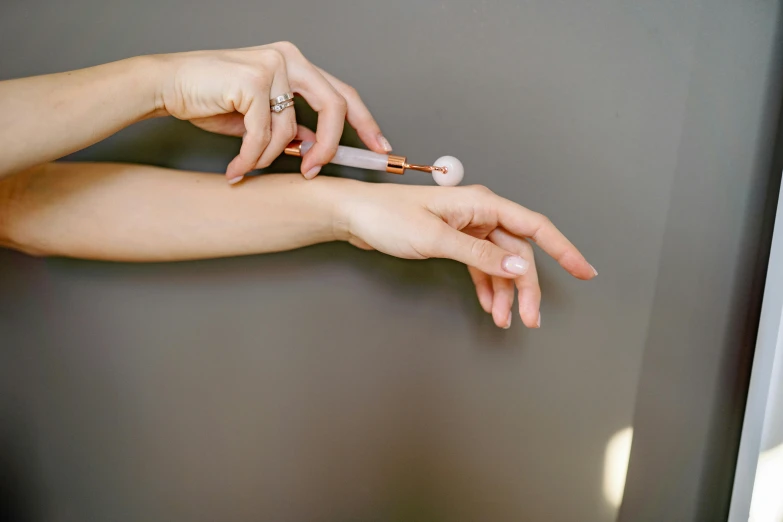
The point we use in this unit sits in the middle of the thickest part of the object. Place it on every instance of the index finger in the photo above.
(524, 222)
(359, 116)
(331, 108)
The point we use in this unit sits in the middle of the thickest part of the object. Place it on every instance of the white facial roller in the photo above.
(447, 171)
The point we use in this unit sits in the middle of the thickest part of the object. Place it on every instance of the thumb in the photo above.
(479, 253)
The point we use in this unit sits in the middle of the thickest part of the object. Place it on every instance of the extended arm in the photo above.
(226, 91)
(139, 213)
(46, 117)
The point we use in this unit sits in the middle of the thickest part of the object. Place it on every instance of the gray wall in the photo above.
(332, 384)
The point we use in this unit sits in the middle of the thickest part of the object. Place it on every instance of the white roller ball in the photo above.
(454, 171)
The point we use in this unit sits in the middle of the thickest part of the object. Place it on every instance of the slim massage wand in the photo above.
(446, 171)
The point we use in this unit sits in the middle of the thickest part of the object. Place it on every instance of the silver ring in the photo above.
(281, 99)
(280, 107)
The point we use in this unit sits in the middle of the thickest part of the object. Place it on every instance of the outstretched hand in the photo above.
(472, 225)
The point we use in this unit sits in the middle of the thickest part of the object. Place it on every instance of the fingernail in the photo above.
(234, 181)
(384, 143)
(313, 172)
(515, 265)
(508, 323)
(595, 272)
(538, 323)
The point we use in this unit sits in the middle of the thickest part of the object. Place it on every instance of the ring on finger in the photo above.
(280, 107)
(277, 100)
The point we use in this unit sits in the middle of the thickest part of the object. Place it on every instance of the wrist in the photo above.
(153, 72)
(336, 194)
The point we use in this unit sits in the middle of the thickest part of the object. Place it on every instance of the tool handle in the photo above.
(353, 157)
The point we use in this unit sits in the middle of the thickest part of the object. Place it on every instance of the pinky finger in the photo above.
(503, 301)
(484, 290)
(530, 296)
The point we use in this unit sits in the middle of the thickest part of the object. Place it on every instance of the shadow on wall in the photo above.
(19, 486)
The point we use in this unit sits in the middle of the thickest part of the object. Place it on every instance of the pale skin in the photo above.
(120, 212)
(46, 117)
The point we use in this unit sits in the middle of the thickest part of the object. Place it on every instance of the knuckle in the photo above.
(340, 103)
(329, 151)
(481, 190)
(542, 224)
(264, 137)
(251, 73)
(233, 97)
(481, 250)
(287, 47)
(429, 243)
(273, 58)
(291, 130)
(350, 91)
(543, 221)
(255, 80)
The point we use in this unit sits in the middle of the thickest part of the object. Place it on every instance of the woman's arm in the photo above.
(138, 213)
(227, 91)
(46, 117)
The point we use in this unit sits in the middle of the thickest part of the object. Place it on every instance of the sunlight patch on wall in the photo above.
(618, 451)
(767, 502)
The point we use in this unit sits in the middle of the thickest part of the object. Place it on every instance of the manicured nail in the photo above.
(538, 323)
(313, 172)
(234, 181)
(595, 272)
(508, 323)
(384, 143)
(515, 265)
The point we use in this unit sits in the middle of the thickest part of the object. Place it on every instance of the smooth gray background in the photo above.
(332, 384)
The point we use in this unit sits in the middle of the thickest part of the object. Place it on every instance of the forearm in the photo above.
(46, 117)
(139, 213)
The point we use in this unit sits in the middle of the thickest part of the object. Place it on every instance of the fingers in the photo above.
(256, 138)
(330, 105)
(334, 101)
(304, 134)
(231, 124)
(358, 243)
(359, 116)
(283, 124)
(527, 284)
(502, 302)
(523, 222)
(331, 108)
(496, 294)
(484, 290)
(253, 102)
(478, 253)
